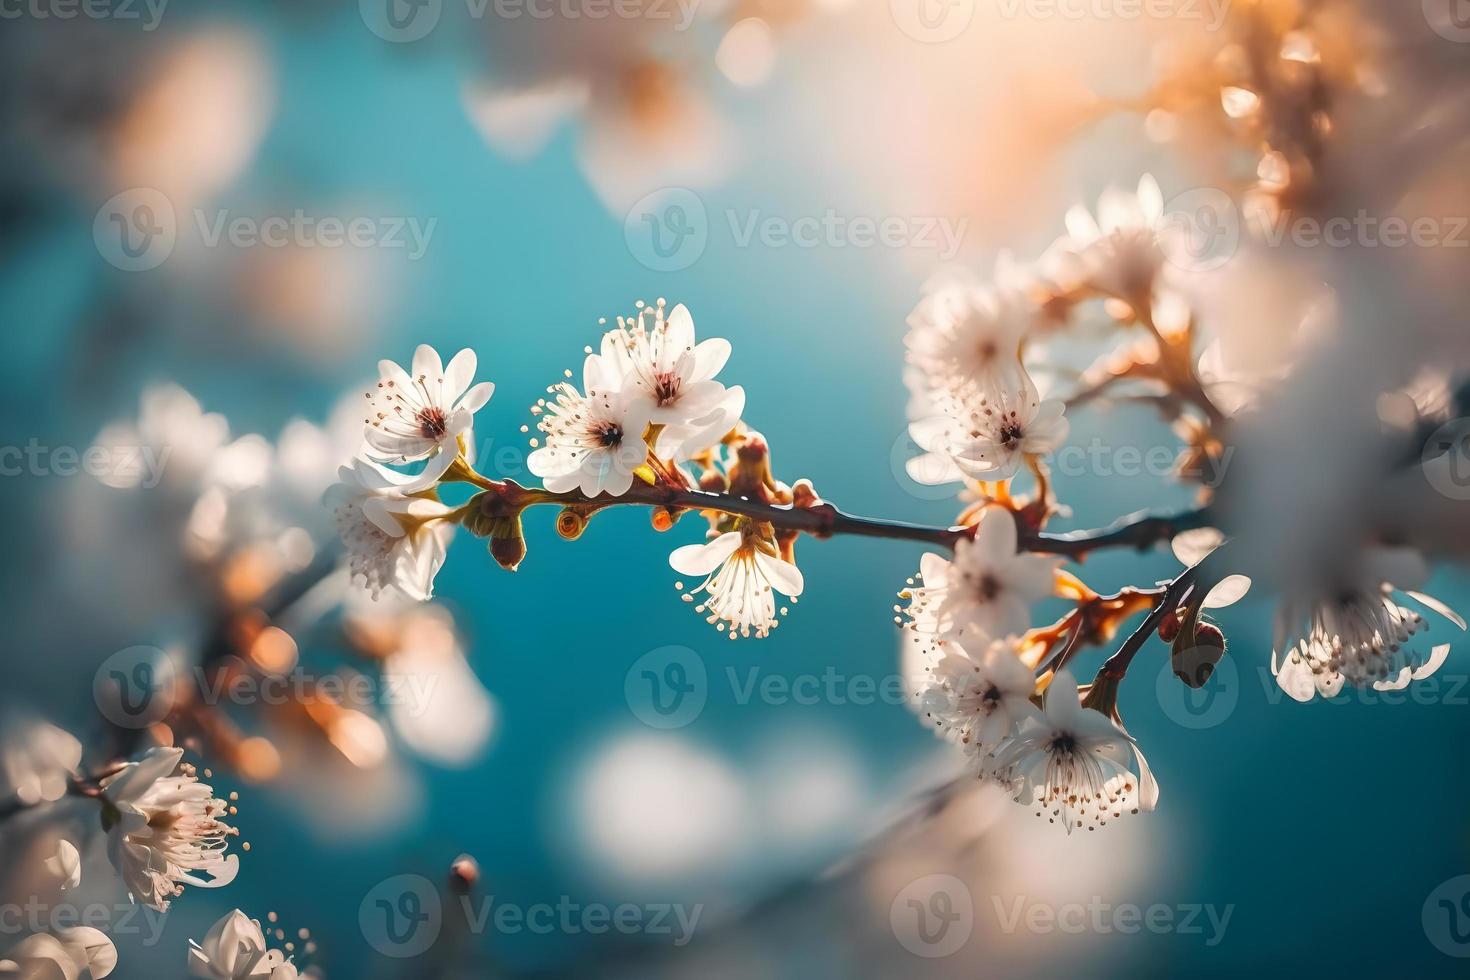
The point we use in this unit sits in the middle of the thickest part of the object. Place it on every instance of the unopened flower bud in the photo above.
(1194, 662)
(570, 523)
(464, 874)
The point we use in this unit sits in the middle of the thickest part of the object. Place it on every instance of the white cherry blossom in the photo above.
(987, 591)
(594, 442)
(978, 699)
(1074, 764)
(745, 570)
(396, 541)
(37, 760)
(990, 439)
(1119, 252)
(656, 356)
(165, 828)
(235, 949)
(1360, 635)
(421, 414)
(68, 954)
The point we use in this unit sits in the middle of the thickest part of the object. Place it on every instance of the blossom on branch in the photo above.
(396, 538)
(423, 414)
(165, 828)
(745, 570)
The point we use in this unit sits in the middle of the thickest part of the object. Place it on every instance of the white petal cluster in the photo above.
(67, 954)
(975, 411)
(1363, 635)
(165, 828)
(37, 760)
(1074, 764)
(421, 415)
(744, 570)
(986, 592)
(649, 371)
(396, 539)
(977, 699)
(1122, 251)
(235, 949)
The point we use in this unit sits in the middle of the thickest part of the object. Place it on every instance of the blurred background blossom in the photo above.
(221, 388)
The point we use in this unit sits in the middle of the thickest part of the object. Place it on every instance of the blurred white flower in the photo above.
(395, 541)
(1074, 762)
(965, 341)
(235, 949)
(745, 570)
(1358, 635)
(594, 441)
(69, 954)
(978, 699)
(1118, 253)
(37, 760)
(65, 865)
(415, 417)
(990, 438)
(657, 357)
(987, 591)
(164, 827)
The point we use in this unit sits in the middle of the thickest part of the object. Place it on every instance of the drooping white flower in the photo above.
(37, 760)
(978, 700)
(745, 570)
(1120, 252)
(990, 439)
(1360, 635)
(594, 441)
(68, 954)
(420, 415)
(1074, 764)
(987, 591)
(65, 865)
(235, 949)
(396, 541)
(657, 357)
(165, 828)
(965, 339)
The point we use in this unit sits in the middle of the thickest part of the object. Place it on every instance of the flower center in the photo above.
(665, 388)
(432, 422)
(990, 586)
(1010, 433)
(609, 435)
